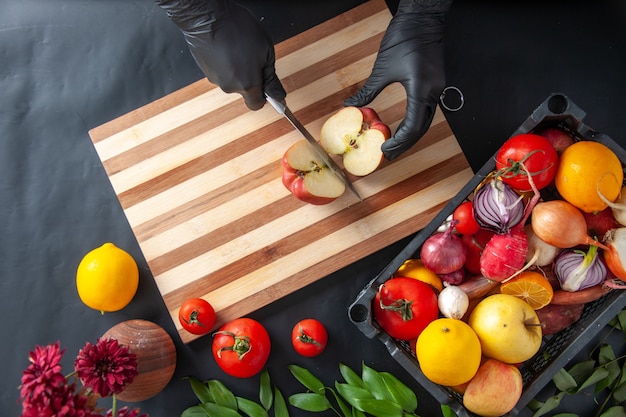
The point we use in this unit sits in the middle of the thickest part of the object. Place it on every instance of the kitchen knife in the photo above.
(282, 108)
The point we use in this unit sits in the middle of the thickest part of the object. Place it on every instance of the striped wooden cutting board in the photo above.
(199, 178)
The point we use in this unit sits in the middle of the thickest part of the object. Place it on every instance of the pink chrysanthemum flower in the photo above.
(126, 412)
(106, 367)
(43, 376)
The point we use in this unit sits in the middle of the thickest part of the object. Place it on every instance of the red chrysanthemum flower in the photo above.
(62, 401)
(126, 412)
(43, 376)
(106, 367)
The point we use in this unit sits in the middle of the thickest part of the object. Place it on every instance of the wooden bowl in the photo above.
(156, 357)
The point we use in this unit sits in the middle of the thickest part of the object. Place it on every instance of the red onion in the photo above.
(497, 206)
(455, 277)
(443, 252)
(577, 270)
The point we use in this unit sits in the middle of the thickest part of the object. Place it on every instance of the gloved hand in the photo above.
(230, 46)
(411, 53)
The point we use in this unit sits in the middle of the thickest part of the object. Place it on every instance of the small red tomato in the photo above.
(527, 154)
(309, 337)
(464, 213)
(404, 307)
(197, 316)
(241, 347)
(474, 244)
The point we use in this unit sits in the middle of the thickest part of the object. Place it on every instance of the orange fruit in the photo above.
(586, 168)
(415, 268)
(107, 278)
(448, 352)
(531, 287)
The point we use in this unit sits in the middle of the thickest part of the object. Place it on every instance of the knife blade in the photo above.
(282, 108)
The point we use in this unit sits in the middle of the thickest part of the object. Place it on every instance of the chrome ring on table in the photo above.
(443, 96)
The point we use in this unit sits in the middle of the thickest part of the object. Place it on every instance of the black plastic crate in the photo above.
(556, 350)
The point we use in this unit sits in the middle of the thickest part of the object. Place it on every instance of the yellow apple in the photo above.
(494, 390)
(508, 328)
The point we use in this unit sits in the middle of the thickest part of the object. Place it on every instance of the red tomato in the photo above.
(404, 307)
(464, 213)
(535, 152)
(241, 347)
(309, 337)
(197, 316)
(474, 245)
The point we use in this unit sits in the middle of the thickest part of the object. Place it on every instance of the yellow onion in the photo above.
(616, 254)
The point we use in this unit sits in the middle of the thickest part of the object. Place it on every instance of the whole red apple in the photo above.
(559, 138)
(600, 222)
(494, 390)
(356, 133)
(307, 177)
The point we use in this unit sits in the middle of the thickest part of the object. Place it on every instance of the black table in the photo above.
(67, 66)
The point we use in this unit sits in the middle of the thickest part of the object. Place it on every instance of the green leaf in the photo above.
(619, 321)
(564, 381)
(447, 411)
(216, 410)
(619, 394)
(343, 406)
(200, 389)
(401, 394)
(310, 401)
(375, 384)
(306, 378)
(351, 393)
(280, 406)
(222, 395)
(616, 411)
(357, 413)
(350, 376)
(566, 415)
(265, 390)
(581, 370)
(250, 408)
(379, 408)
(597, 375)
(550, 404)
(195, 411)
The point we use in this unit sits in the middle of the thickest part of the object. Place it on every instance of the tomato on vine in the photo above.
(241, 347)
(523, 155)
(309, 337)
(197, 316)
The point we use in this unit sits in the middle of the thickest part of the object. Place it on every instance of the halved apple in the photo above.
(357, 134)
(307, 177)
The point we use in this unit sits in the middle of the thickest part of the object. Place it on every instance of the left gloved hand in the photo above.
(230, 46)
(411, 53)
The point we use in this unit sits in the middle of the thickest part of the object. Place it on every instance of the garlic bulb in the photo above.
(453, 302)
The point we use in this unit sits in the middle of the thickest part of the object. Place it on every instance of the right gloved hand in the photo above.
(230, 46)
(410, 53)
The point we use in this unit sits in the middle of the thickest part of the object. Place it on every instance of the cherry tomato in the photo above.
(464, 213)
(404, 307)
(197, 316)
(309, 337)
(241, 347)
(535, 153)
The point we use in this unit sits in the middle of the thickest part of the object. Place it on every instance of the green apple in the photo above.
(355, 133)
(494, 390)
(508, 328)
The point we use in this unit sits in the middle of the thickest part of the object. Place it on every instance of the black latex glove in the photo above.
(230, 46)
(411, 53)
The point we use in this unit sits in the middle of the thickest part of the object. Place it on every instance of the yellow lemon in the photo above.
(415, 268)
(586, 168)
(107, 278)
(448, 352)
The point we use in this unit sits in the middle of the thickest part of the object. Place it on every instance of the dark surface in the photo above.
(67, 66)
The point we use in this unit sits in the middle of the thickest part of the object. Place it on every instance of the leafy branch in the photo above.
(603, 370)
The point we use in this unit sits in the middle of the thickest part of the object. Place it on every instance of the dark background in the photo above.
(67, 66)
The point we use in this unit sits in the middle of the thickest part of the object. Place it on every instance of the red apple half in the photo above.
(356, 133)
(307, 177)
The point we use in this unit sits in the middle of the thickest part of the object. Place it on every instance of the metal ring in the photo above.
(443, 96)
